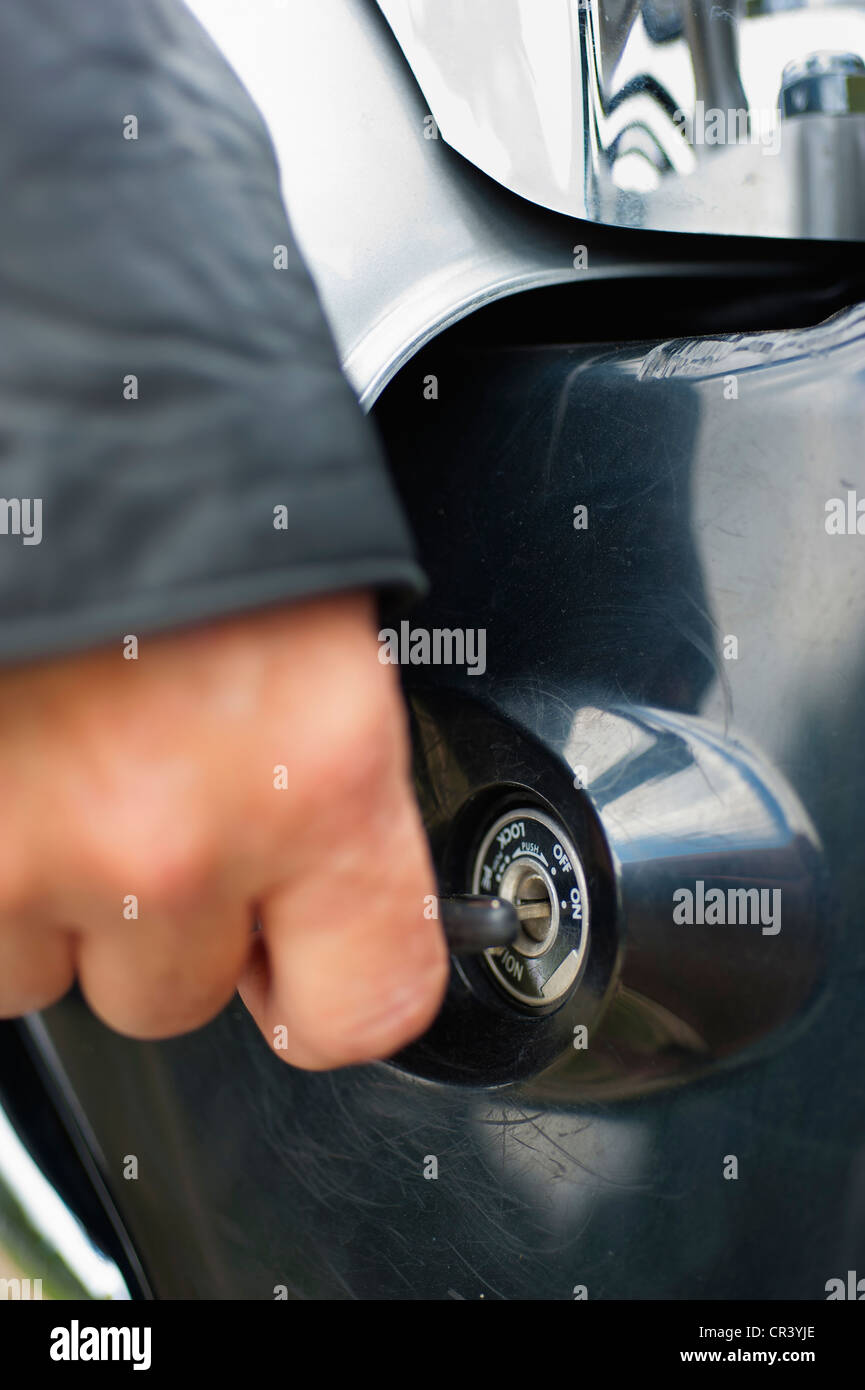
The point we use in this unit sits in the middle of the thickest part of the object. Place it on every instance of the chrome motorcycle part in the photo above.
(666, 114)
(402, 236)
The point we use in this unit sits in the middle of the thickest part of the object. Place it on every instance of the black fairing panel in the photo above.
(707, 508)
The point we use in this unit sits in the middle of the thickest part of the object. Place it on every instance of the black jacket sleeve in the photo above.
(170, 396)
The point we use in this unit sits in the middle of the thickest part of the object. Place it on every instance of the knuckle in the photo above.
(36, 976)
(167, 868)
(359, 762)
(381, 1032)
(170, 1004)
(369, 743)
(179, 1015)
(374, 1022)
(18, 878)
(378, 754)
(176, 878)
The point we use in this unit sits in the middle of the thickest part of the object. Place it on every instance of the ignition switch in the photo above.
(528, 860)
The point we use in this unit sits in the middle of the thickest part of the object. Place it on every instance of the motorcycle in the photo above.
(595, 270)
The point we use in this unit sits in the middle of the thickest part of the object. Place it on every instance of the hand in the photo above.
(147, 825)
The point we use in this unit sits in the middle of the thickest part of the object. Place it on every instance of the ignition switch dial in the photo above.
(527, 859)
